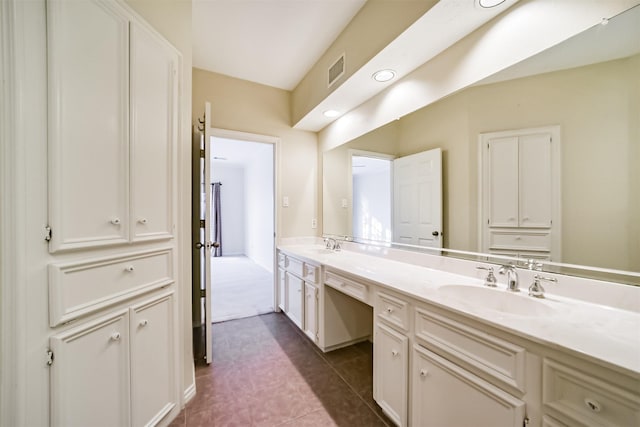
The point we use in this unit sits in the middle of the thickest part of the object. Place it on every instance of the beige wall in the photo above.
(243, 106)
(377, 24)
(172, 19)
(597, 108)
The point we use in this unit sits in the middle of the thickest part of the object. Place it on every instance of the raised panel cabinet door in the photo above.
(311, 311)
(390, 374)
(444, 394)
(295, 297)
(88, 135)
(535, 180)
(154, 100)
(153, 388)
(90, 374)
(503, 182)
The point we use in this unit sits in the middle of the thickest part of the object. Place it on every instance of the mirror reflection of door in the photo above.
(417, 199)
(371, 181)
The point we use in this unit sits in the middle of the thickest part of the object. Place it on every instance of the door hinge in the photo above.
(203, 293)
(47, 233)
(202, 154)
(202, 223)
(50, 357)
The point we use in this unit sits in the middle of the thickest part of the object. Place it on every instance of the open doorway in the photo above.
(243, 225)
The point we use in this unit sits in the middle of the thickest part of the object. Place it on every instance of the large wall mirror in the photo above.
(589, 86)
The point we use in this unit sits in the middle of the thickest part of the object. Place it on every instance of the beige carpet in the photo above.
(240, 288)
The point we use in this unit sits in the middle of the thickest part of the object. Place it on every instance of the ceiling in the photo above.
(271, 42)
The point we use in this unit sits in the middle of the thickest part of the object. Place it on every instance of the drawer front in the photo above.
(585, 399)
(498, 358)
(295, 267)
(83, 287)
(532, 241)
(311, 273)
(393, 310)
(357, 290)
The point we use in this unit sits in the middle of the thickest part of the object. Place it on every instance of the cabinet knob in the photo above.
(115, 221)
(394, 353)
(593, 404)
(424, 373)
(144, 322)
(389, 310)
(115, 336)
(129, 268)
(142, 220)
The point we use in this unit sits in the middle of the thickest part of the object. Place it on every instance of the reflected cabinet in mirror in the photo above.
(587, 88)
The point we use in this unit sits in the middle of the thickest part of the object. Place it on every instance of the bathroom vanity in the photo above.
(449, 351)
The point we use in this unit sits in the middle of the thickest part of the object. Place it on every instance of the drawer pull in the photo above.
(129, 269)
(394, 353)
(115, 221)
(593, 405)
(389, 310)
(142, 220)
(115, 336)
(144, 323)
(424, 373)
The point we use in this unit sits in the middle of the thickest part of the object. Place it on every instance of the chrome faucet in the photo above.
(332, 244)
(512, 277)
(536, 290)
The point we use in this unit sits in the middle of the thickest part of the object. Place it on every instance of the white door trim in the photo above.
(266, 139)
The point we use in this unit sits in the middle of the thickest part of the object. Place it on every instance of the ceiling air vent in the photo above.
(336, 70)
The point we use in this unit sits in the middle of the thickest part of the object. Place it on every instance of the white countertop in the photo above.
(605, 334)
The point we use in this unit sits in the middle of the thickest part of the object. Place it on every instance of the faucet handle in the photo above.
(490, 280)
(533, 264)
(536, 290)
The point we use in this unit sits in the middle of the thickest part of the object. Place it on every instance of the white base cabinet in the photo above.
(295, 286)
(101, 370)
(311, 311)
(444, 394)
(391, 362)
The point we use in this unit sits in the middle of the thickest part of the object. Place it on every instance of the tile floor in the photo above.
(239, 288)
(265, 372)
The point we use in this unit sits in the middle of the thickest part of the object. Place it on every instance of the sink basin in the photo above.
(498, 300)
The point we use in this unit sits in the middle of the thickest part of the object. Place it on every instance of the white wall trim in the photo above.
(8, 274)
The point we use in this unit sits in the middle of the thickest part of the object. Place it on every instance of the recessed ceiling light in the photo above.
(490, 3)
(331, 113)
(383, 75)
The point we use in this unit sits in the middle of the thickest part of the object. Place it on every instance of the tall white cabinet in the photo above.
(520, 193)
(112, 136)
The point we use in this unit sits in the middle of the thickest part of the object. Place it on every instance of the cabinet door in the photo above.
(311, 311)
(295, 287)
(445, 394)
(90, 374)
(152, 362)
(282, 290)
(88, 68)
(153, 134)
(535, 180)
(390, 373)
(503, 182)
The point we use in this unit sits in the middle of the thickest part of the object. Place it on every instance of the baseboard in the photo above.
(190, 393)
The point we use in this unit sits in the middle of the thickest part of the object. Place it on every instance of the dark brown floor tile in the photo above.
(319, 418)
(357, 372)
(266, 372)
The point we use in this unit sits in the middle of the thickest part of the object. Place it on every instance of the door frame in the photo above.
(374, 155)
(275, 141)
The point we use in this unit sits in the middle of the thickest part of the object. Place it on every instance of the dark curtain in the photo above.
(217, 220)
